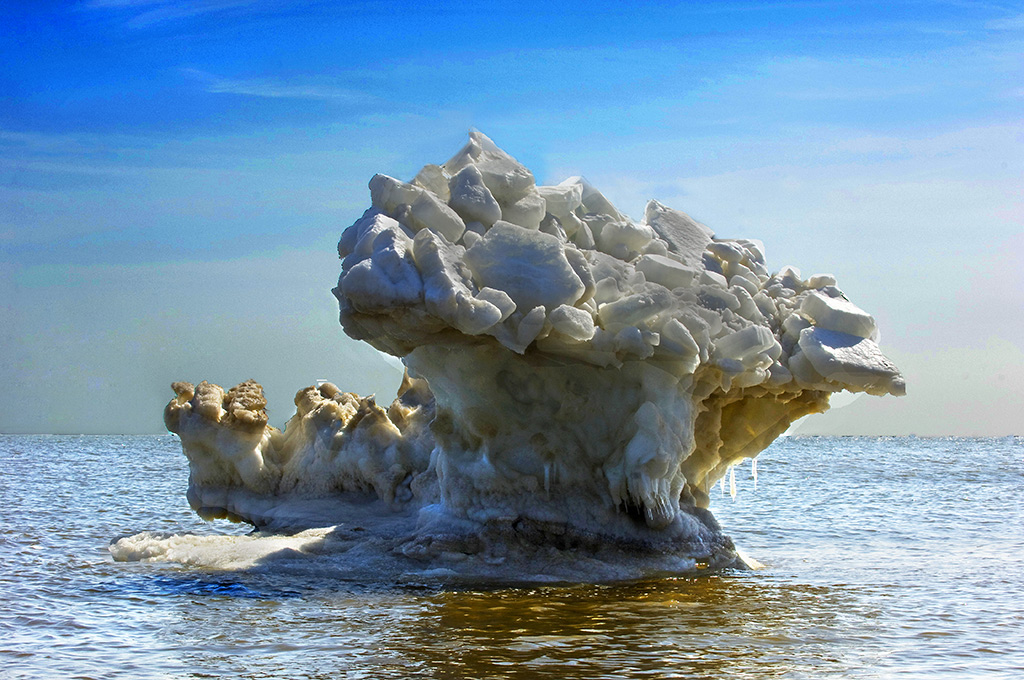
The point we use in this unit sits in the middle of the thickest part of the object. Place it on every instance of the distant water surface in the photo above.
(884, 557)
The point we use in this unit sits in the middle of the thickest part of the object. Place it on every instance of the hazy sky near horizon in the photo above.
(174, 176)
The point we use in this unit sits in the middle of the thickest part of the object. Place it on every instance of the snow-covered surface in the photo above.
(580, 380)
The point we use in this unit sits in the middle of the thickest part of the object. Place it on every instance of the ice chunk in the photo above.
(747, 283)
(469, 238)
(572, 322)
(624, 240)
(850, 361)
(632, 341)
(583, 236)
(357, 243)
(716, 297)
(838, 314)
(506, 178)
(447, 287)
(526, 212)
(471, 198)
(656, 246)
(755, 251)
(748, 346)
(415, 207)
(434, 179)
(686, 237)
(579, 264)
(499, 299)
(388, 278)
(819, 281)
(521, 329)
(714, 279)
(528, 265)
(573, 225)
(651, 300)
(593, 201)
(677, 338)
(228, 429)
(748, 308)
(563, 199)
(552, 225)
(613, 277)
(726, 252)
(790, 278)
(665, 271)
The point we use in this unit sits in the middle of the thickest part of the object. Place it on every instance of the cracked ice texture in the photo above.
(588, 371)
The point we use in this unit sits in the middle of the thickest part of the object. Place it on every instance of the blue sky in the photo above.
(174, 176)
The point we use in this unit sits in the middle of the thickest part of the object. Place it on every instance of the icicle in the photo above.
(732, 482)
(547, 478)
(753, 471)
(721, 484)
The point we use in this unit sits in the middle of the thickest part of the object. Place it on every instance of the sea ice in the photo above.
(577, 381)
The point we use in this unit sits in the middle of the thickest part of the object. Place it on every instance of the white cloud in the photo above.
(146, 13)
(114, 4)
(1015, 23)
(276, 89)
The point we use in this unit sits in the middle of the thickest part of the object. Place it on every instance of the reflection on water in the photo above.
(885, 558)
(729, 626)
(708, 627)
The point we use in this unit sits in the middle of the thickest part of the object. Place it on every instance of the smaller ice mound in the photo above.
(581, 379)
(337, 446)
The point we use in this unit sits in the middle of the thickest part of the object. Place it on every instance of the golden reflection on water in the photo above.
(744, 625)
(718, 626)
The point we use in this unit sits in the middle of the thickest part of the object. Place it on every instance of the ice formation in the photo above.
(579, 380)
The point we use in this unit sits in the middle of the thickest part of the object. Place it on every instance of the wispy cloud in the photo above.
(146, 13)
(113, 4)
(271, 88)
(1015, 23)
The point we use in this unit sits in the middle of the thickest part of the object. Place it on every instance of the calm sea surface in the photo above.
(884, 557)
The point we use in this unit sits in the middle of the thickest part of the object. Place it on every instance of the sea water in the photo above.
(883, 557)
